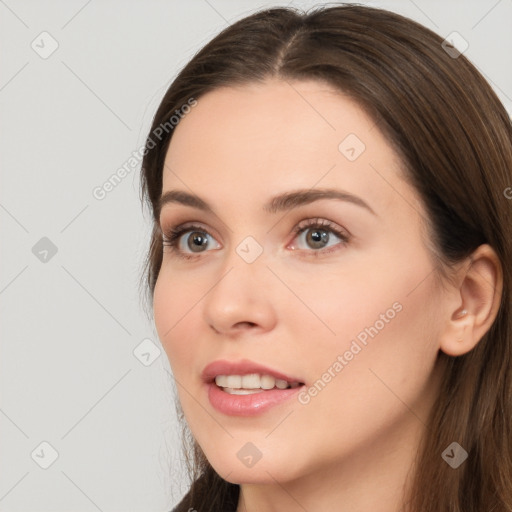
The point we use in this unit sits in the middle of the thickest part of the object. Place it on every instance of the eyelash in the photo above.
(171, 237)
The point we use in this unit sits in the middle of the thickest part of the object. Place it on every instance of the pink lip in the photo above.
(245, 405)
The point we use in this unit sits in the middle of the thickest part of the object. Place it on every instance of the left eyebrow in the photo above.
(290, 200)
(280, 203)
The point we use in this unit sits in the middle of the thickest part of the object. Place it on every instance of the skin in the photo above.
(352, 446)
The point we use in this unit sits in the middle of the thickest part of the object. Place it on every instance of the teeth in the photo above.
(267, 382)
(281, 384)
(251, 383)
(232, 391)
(221, 381)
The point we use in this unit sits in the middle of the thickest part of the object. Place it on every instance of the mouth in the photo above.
(252, 383)
(246, 388)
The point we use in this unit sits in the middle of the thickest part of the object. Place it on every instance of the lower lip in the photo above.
(248, 405)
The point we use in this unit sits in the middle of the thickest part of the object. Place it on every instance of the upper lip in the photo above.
(242, 367)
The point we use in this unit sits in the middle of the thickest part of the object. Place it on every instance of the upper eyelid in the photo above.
(304, 223)
(187, 226)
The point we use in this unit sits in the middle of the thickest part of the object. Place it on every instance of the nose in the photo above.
(241, 299)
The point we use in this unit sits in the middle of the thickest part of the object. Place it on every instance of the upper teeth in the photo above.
(251, 381)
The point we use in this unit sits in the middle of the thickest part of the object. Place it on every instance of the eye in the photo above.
(318, 234)
(197, 240)
(189, 241)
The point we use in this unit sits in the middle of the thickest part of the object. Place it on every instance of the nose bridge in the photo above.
(241, 275)
(245, 258)
(240, 294)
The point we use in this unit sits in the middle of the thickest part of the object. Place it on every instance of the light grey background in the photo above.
(70, 324)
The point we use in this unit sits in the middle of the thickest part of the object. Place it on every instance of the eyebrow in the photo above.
(280, 203)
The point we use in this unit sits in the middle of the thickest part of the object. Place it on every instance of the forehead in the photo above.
(264, 138)
(278, 115)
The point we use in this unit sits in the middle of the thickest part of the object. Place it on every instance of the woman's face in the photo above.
(344, 310)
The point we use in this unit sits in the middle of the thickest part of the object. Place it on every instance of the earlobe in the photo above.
(477, 300)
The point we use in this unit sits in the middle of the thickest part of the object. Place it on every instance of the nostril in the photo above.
(245, 324)
(238, 325)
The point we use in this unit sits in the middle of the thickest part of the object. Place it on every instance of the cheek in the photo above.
(385, 290)
(383, 351)
(336, 307)
(378, 319)
(175, 303)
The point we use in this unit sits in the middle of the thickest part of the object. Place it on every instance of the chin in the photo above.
(254, 475)
(266, 470)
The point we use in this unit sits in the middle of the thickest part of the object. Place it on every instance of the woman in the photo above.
(330, 267)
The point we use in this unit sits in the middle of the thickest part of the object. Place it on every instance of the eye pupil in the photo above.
(196, 241)
(318, 236)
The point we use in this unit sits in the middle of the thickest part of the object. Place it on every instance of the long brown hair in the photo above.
(455, 139)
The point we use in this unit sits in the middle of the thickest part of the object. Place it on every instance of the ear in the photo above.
(474, 301)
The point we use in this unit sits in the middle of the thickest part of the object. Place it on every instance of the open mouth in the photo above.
(247, 388)
(252, 383)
